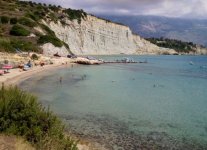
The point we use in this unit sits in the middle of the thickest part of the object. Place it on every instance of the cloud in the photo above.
(170, 8)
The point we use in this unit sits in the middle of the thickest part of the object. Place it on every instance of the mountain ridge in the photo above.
(185, 29)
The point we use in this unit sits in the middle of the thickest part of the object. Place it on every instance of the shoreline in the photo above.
(15, 76)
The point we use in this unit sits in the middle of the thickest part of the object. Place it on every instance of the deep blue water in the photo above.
(162, 104)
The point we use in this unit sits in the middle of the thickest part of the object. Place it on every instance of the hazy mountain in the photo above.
(190, 30)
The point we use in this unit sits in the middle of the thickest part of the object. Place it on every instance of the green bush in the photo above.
(50, 39)
(53, 17)
(22, 115)
(13, 21)
(9, 45)
(32, 16)
(34, 57)
(75, 14)
(18, 30)
(4, 19)
(5, 45)
(1, 30)
(47, 29)
(40, 14)
(24, 45)
(27, 22)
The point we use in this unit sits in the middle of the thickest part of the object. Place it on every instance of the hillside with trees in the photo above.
(179, 46)
(18, 20)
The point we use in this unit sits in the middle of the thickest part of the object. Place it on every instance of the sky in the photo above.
(169, 8)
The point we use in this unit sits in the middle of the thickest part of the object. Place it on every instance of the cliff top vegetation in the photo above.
(179, 46)
(18, 20)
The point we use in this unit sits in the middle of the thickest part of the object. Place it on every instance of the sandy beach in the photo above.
(17, 75)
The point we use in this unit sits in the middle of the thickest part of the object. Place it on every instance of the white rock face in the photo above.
(201, 51)
(96, 36)
(49, 50)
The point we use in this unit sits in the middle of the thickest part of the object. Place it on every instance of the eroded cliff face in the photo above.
(95, 36)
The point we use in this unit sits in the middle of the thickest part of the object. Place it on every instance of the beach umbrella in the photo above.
(7, 67)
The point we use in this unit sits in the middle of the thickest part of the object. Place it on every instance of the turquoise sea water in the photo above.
(158, 105)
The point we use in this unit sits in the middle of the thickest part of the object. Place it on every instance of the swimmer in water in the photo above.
(61, 79)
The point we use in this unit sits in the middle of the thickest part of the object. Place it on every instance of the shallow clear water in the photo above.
(162, 103)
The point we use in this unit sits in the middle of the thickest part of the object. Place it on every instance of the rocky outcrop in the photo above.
(97, 36)
(49, 50)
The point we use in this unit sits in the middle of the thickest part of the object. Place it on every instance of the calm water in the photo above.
(158, 105)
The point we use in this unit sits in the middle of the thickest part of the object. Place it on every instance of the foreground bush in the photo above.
(22, 115)
(18, 30)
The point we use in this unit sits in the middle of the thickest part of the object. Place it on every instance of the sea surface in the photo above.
(161, 104)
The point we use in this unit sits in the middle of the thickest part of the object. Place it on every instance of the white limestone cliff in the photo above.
(96, 36)
(49, 50)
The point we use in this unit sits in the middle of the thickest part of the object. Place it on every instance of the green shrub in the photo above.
(75, 14)
(27, 22)
(18, 30)
(34, 57)
(24, 45)
(1, 30)
(47, 29)
(4, 19)
(50, 39)
(22, 115)
(53, 17)
(5, 45)
(40, 14)
(32, 16)
(13, 21)
(9, 45)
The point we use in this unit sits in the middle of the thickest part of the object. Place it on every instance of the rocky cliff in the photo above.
(94, 36)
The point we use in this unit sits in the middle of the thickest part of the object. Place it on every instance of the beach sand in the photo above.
(15, 76)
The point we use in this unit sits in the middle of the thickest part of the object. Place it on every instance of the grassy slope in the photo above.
(27, 15)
